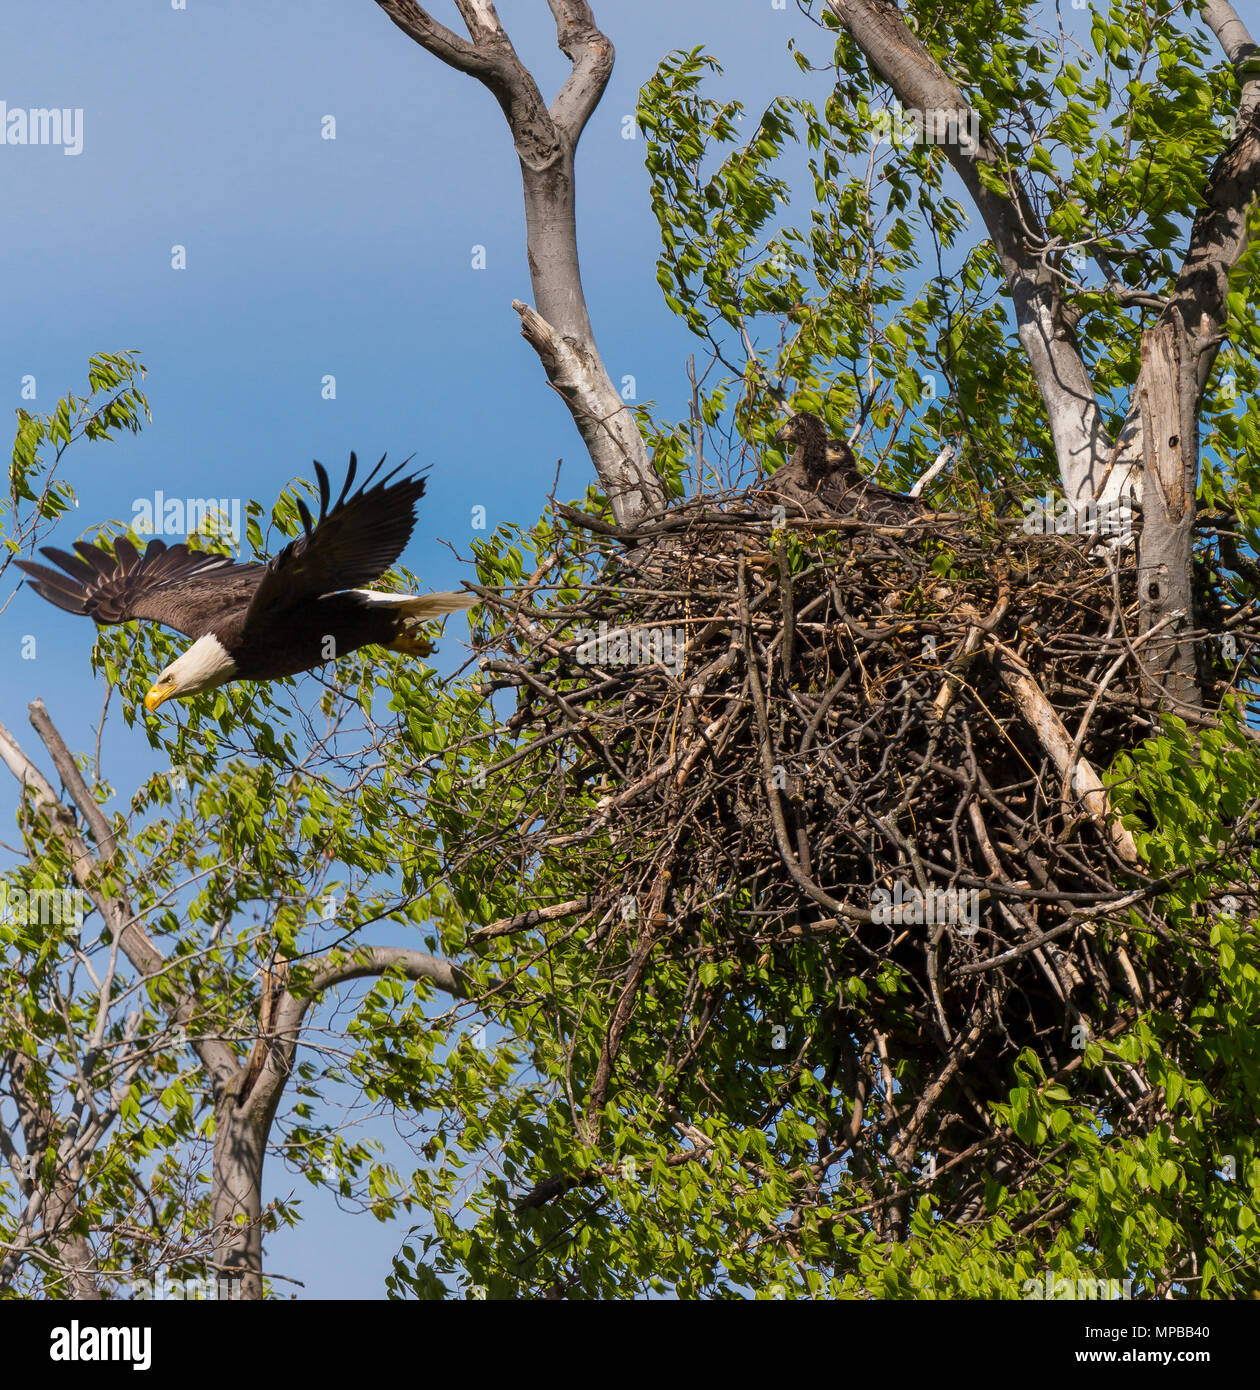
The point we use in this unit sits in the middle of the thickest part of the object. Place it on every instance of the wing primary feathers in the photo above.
(380, 463)
(54, 587)
(125, 553)
(387, 479)
(172, 585)
(368, 480)
(393, 472)
(101, 563)
(324, 490)
(345, 489)
(72, 565)
(353, 542)
(349, 483)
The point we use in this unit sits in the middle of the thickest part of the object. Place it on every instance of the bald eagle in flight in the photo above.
(824, 471)
(260, 621)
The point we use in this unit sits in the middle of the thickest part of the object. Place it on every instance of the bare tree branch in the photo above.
(558, 326)
(592, 57)
(444, 43)
(365, 962)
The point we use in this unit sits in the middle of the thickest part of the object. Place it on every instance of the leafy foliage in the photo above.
(36, 494)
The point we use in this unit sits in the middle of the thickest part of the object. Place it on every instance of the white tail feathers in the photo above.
(432, 605)
(420, 606)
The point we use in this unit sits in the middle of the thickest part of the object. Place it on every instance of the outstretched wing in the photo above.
(184, 589)
(352, 543)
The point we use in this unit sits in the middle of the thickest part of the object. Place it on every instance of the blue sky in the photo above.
(307, 257)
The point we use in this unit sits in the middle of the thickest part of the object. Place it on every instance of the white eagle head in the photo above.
(204, 666)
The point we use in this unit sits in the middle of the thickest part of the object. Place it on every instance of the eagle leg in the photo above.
(410, 642)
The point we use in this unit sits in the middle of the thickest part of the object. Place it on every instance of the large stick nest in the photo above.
(859, 707)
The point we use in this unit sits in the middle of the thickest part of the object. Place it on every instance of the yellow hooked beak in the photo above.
(156, 695)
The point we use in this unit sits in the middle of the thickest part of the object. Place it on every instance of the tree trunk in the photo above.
(1170, 446)
(240, 1145)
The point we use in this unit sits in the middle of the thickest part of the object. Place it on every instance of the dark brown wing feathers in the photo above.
(184, 589)
(355, 540)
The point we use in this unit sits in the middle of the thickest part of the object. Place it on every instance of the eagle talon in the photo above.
(412, 644)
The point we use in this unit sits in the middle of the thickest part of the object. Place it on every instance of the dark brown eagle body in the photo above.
(258, 621)
(823, 475)
(332, 626)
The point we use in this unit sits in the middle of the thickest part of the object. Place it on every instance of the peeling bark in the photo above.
(1170, 440)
